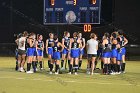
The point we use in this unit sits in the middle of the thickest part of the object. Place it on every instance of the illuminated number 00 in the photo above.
(87, 28)
(75, 1)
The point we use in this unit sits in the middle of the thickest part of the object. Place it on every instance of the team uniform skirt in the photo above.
(50, 51)
(56, 55)
(39, 52)
(75, 53)
(65, 51)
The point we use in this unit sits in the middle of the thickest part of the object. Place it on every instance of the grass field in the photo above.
(41, 82)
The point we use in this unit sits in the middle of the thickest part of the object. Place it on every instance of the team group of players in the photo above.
(111, 51)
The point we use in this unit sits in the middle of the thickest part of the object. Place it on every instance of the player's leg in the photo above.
(71, 65)
(123, 59)
(57, 66)
(64, 53)
(80, 58)
(19, 62)
(29, 59)
(93, 64)
(50, 53)
(23, 62)
(76, 65)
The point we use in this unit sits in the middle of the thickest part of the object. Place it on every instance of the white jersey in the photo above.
(92, 45)
(21, 43)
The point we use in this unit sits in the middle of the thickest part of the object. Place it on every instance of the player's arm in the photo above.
(17, 41)
(84, 43)
(103, 43)
(71, 40)
(125, 41)
(30, 42)
(61, 45)
(37, 45)
(80, 43)
(43, 46)
(87, 46)
(47, 46)
(97, 45)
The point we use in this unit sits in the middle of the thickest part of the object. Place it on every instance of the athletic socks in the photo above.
(105, 68)
(80, 63)
(62, 63)
(40, 63)
(36, 62)
(51, 67)
(109, 68)
(56, 68)
(28, 66)
(69, 63)
(123, 67)
(70, 69)
(102, 64)
(49, 62)
(115, 68)
(33, 65)
(76, 68)
(118, 68)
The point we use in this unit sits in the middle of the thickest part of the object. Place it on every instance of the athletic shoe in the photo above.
(123, 72)
(29, 72)
(36, 69)
(92, 73)
(41, 68)
(56, 73)
(76, 73)
(88, 72)
(50, 72)
(112, 73)
(69, 73)
(62, 68)
(22, 70)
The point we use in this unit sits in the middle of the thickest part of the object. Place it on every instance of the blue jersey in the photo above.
(107, 47)
(75, 51)
(114, 50)
(50, 49)
(75, 44)
(40, 44)
(66, 42)
(50, 41)
(56, 51)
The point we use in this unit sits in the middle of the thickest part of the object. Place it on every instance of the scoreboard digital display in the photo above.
(72, 12)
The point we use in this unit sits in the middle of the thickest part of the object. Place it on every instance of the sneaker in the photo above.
(62, 68)
(41, 68)
(76, 73)
(56, 73)
(22, 70)
(50, 73)
(92, 73)
(29, 72)
(88, 72)
(69, 73)
(36, 69)
(112, 73)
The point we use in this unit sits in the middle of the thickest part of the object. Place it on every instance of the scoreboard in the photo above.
(71, 12)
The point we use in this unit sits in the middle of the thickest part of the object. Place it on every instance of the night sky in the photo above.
(28, 15)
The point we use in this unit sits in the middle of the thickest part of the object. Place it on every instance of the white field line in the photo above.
(81, 82)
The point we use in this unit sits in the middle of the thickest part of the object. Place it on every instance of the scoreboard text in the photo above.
(72, 12)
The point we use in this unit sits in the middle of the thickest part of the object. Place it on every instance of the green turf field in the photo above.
(41, 82)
